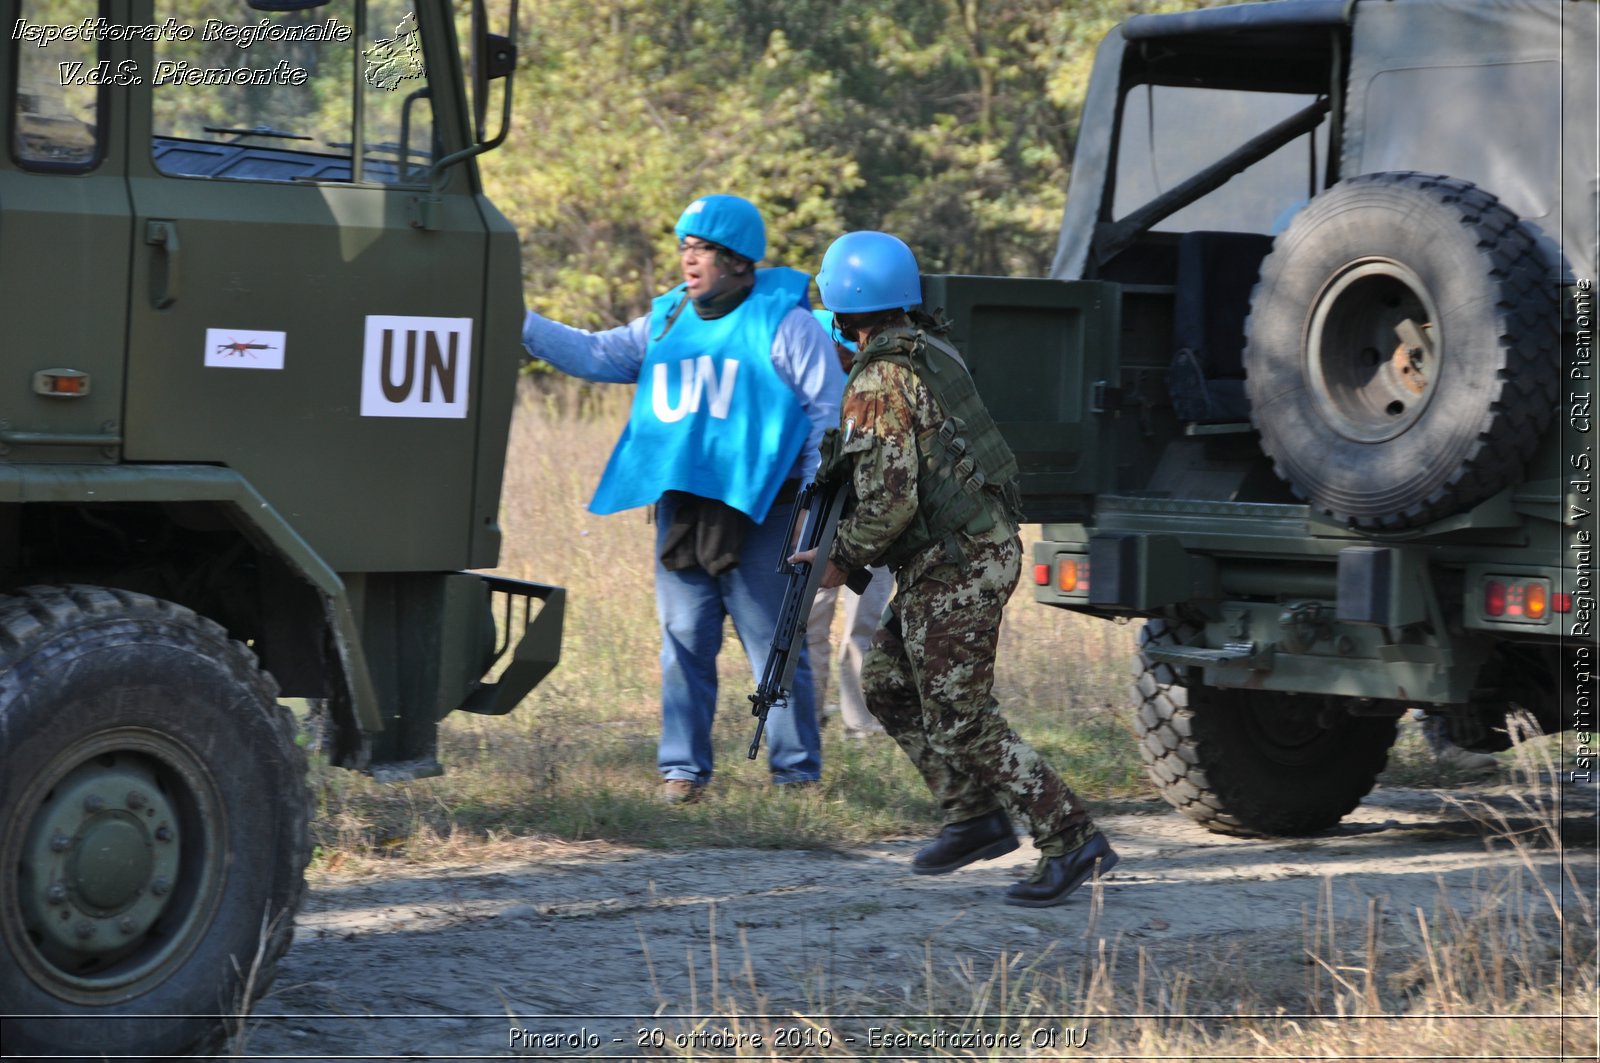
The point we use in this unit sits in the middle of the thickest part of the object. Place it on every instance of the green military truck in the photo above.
(1309, 386)
(260, 347)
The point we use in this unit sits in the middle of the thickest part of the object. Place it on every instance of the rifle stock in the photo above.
(820, 505)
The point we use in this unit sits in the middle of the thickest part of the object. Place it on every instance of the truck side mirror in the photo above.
(494, 56)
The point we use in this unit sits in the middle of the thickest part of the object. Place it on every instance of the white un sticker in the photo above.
(416, 366)
(243, 348)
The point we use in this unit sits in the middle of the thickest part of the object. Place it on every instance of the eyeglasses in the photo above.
(697, 250)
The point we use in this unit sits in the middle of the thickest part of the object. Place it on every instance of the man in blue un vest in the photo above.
(736, 383)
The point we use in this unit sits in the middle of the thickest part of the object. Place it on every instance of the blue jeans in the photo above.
(692, 604)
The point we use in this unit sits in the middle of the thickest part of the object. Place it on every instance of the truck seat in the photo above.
(1215, 274)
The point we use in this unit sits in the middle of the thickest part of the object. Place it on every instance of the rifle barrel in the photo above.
(822, 505)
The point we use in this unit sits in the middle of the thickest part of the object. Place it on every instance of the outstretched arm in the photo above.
(610, 357)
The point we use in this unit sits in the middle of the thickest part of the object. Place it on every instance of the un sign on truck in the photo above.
(416, 366)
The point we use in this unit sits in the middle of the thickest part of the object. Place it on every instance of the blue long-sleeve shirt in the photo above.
(802, 354)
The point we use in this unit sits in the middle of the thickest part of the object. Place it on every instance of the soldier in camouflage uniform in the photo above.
(937, 502)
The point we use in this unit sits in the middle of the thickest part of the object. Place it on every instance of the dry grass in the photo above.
(577, 759)
(1049, 660)
(1470, 977)
(1505, 970)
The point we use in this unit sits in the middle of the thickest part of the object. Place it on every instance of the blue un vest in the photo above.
(711, 416)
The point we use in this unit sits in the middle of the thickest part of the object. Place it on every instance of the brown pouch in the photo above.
(705, 533)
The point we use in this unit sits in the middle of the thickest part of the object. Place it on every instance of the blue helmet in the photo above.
(731, 221)
(825, 318)
(866, 271)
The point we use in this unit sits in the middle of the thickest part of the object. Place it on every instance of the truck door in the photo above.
(1043, 354)
(305, 309)
(64, 236)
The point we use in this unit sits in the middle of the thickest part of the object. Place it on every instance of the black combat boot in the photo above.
(959, 844)
(1058, 876)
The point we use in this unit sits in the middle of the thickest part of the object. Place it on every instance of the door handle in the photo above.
(164, 271)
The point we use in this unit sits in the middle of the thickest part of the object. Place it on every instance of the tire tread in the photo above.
(32, 617)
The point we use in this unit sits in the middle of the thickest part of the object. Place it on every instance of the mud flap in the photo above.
(529, 643)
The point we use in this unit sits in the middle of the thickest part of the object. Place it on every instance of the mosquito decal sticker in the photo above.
(244, 349)
(235, 347)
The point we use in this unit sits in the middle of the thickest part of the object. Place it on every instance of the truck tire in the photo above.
(1513, 679)
(1250, 761)
(1402, 352)
(155, 838)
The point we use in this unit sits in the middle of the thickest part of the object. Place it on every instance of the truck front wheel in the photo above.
(156, 835)
(1251, 761)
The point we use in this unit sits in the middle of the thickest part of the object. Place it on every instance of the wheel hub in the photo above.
(1372, 351)
(100, 861)
(1289, 734)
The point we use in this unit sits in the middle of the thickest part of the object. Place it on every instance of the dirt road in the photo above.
(591, 951)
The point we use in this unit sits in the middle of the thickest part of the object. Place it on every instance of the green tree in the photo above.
(950, 123)
(617, 129)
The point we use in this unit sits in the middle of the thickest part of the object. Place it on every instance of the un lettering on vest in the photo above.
(416, 366)
(697, 378)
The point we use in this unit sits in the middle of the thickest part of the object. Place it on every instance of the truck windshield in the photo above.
(246, 96)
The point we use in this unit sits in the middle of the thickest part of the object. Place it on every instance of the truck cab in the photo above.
(261, 345)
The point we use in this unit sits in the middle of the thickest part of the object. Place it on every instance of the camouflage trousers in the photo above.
(929, 679)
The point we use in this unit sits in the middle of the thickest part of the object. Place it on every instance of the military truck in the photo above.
(1308, 388)
(261, 342)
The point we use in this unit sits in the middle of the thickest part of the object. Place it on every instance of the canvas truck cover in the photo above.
(1501, 93)
(1528, 134)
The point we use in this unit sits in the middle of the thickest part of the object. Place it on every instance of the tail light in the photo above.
(1522, 600)
(1536, 602)
(1072, 575)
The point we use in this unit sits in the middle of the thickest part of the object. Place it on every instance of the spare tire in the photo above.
(1402, 349)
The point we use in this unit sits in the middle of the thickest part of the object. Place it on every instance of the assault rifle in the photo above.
(820, 505)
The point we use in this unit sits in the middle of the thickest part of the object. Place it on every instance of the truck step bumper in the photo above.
(1237, 654)
(532, 639)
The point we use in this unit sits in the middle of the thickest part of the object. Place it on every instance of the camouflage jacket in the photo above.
(885, 409)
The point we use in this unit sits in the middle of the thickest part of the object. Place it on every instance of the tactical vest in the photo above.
(966, 474)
